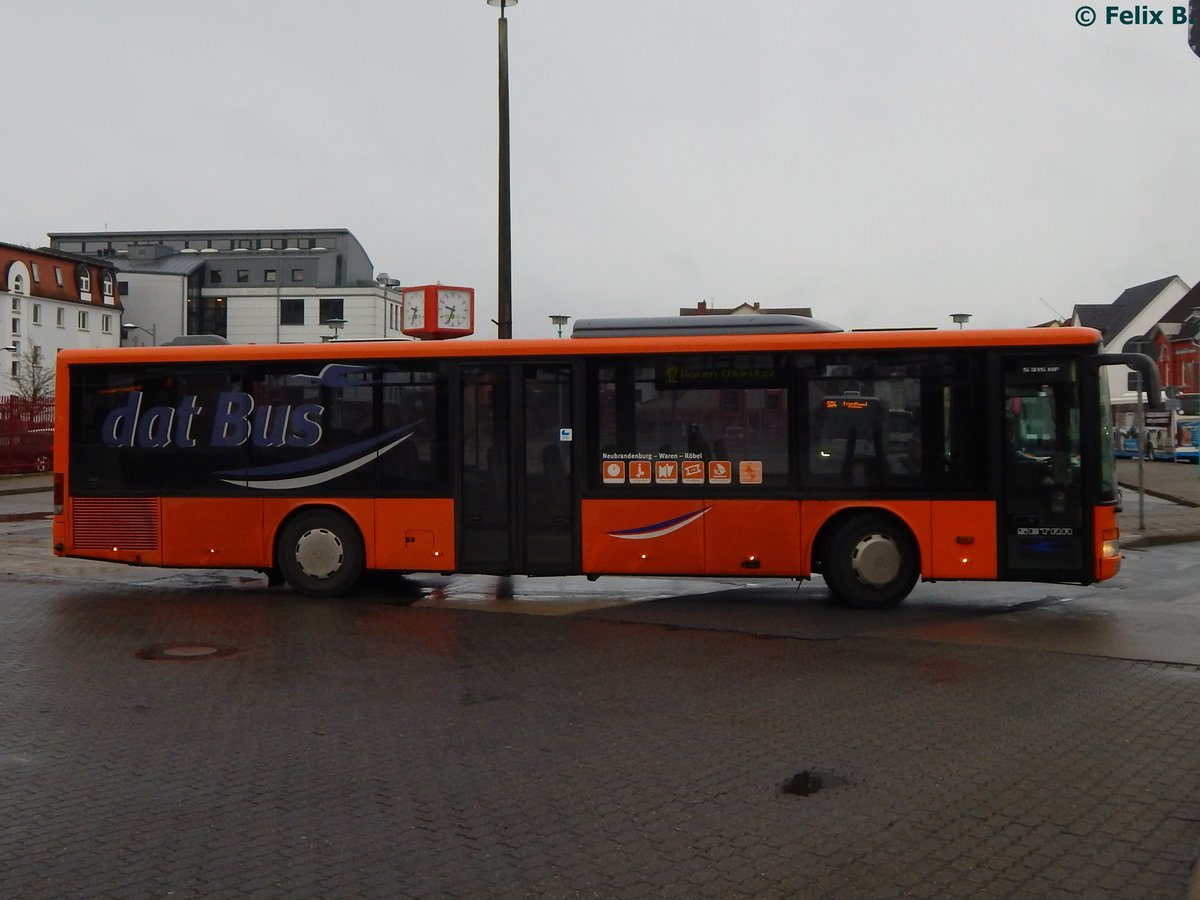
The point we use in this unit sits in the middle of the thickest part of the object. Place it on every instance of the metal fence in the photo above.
(26, 435)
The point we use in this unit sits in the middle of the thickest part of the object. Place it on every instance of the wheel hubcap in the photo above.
(877, 560)
(319, 553)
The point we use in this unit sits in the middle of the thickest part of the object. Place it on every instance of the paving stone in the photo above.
(355, 749)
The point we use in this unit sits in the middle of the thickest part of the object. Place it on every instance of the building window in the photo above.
(37, 275)
(58, 276)
(269, 276)
(16, 304)
(245, 243)
(214, 276)
(16, 325)
(297, 274)
(85, 281)
(291, 311)
(18, 284)
(207, 316)
(35, 354)
(83, 320)
(60, 317)
(123, 288)
(37, 314)
(106, 323)
(243, 276)
(331, 309)
(106, 282)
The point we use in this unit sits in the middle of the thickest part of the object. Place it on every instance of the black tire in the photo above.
(871, 562)
(320, 552)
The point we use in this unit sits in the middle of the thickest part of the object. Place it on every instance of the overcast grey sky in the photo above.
(886, 164)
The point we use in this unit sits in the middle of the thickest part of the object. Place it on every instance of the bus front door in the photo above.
(1042, 507)
(517, 502)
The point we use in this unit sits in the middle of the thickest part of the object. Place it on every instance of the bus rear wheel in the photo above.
(320, 553)
(871, 562)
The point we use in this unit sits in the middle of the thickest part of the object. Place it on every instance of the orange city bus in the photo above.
(767, 446)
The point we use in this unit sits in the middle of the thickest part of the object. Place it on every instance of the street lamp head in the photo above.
(128, 328)
(960, 319)
(503, 4)
(336, 324)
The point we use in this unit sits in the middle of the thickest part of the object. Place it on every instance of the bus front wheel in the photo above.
(871, 562)
(320, 553)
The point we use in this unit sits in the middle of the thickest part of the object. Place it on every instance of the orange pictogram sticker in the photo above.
(693, 471)
(613, 471)
(666, 472)
(750, 471)
(720, 471)
(639, 471)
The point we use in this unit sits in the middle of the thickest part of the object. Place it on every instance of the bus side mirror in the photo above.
(1144, 366)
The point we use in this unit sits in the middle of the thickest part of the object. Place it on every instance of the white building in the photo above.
(52, 301)
(275, 286)
(1134, 314)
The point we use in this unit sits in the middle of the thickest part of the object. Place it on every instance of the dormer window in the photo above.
(15, 279)
(85, 281)
(107, 284)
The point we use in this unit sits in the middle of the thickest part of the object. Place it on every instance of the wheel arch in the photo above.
(906, 516)
(293, 512)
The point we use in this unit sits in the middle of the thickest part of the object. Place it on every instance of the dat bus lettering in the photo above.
(236, 420)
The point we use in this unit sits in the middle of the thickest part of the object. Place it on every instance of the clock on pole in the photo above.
(438, 311)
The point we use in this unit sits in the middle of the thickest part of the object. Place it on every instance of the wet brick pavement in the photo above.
(1163, 524)
(357, 749)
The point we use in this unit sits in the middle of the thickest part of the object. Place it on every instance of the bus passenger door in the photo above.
(485, 501)
(516, 506)
(548, 499)
(1042, 503)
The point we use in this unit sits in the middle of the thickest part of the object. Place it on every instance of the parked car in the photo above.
(30, 451)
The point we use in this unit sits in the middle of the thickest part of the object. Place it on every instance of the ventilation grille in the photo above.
(130, 523)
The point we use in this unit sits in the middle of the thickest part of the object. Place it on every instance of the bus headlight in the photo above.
(1111, 548)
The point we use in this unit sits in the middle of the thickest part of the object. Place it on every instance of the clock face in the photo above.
(414, 309)
(453, 309)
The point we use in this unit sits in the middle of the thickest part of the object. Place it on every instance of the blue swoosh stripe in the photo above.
(658, 529)
(314, 470)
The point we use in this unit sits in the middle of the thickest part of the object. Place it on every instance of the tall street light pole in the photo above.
(504, 263)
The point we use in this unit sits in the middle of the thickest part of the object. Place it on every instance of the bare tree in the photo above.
(33, 379)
